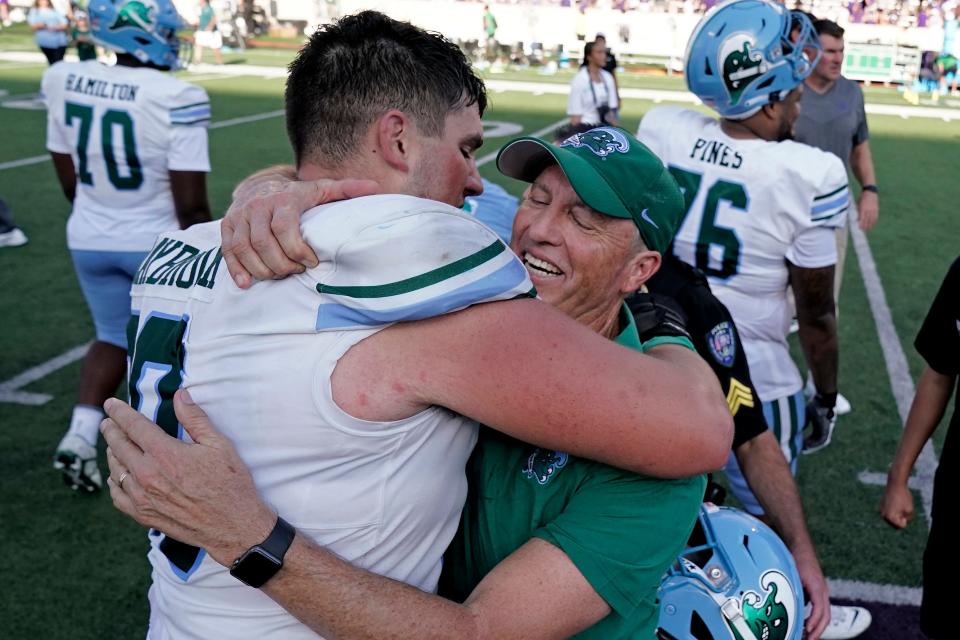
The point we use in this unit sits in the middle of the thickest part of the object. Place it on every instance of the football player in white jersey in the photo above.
(761, 209)
(129, 144)
(375, 354)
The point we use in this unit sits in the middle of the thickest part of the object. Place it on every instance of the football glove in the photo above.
(657, 315)
(821, 418)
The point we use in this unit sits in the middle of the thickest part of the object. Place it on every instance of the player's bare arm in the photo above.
(816, 314)
(66, 173)
(189, 190)
(550, 381)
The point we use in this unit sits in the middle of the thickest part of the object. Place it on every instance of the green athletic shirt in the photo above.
(622, 530)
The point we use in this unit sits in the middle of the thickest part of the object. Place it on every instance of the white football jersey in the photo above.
(386, 496)
(126, 128)
(751, 206)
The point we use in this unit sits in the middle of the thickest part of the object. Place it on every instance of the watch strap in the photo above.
(871, 187)
(279, 539)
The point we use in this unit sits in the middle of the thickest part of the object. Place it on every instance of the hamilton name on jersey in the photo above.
(716, 152)
(175, 263)
(101, 88)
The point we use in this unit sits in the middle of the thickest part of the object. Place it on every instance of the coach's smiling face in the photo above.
(581, 261)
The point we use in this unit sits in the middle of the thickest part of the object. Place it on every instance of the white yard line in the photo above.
(896, 362)
(870, 592)
(23, 162)
(10, 390)
(536, 134)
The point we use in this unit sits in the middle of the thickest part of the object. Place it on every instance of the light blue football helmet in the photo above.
(146, 29)
(736, 581)
(745, 54)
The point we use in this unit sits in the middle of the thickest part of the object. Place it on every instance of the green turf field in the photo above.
(76, 569)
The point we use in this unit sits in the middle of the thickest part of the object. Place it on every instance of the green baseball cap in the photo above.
(612, 172)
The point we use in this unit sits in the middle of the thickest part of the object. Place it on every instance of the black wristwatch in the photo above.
(261, 562)
(871, 187)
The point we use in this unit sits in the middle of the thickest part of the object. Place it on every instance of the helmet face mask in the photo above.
(745, 54)
(144, 29)
(736, 581)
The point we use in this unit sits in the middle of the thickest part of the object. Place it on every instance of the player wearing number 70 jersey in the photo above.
(761, 208)
(129, 143)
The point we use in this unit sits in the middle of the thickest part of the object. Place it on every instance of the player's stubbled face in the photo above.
(575, 256)
(789, 113)
(447, 170)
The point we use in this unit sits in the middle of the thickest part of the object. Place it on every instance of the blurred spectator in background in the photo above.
(50, 30)
(490, 32)
(939, 344)
(10, 235)
(82, 40)
(593, 91)
(5, 13)
(207, 34)
(950, 51)
(610, 66)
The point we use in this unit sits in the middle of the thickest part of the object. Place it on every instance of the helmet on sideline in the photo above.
(735, 581)
(145, 29)
(745, 54)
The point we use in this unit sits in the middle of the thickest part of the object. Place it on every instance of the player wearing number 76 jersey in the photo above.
(761, 208)
(129, 144)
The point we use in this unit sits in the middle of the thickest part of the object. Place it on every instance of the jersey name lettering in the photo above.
(716, 153)
(101, 88)
(174, 263)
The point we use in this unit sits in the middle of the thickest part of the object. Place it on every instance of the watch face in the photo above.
(255, 567)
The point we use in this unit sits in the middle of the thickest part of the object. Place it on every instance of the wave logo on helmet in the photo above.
(741, 64)
(771, 617)
(137, 14)
(602, 141)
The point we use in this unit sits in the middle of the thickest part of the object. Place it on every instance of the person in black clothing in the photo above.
(939, 344)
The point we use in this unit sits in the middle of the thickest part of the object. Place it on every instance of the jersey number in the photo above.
(155, 375)
(711, 234)
(112, 120)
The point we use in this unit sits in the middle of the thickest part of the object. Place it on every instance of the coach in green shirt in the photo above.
(620, 530)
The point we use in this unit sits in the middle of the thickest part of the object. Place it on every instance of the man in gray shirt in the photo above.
(832, 118)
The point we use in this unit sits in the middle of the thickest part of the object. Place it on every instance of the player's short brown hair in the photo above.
(354, 70)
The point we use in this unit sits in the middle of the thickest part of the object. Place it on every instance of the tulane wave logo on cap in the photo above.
(602, 141)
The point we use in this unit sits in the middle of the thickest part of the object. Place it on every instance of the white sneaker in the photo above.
(846, 622)
(13, 238)
(843, 405)
(77, 459)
